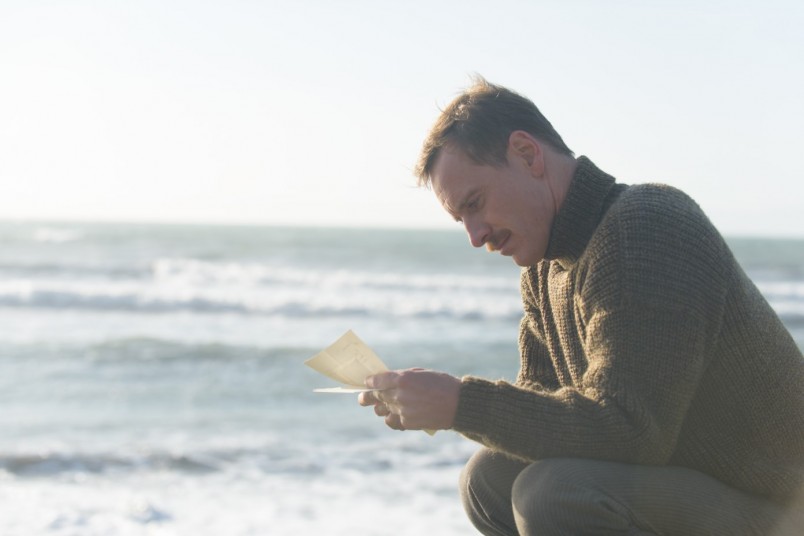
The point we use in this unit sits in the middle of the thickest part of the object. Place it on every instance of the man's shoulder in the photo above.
(651, 200)
(656, 241)
(651, 211)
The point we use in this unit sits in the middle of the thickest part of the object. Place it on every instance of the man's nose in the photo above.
(478, 231)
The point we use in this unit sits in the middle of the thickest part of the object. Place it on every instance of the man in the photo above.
(658, 392)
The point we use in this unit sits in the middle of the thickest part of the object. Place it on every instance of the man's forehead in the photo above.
(453, 180)
(445, 181)
(448, 168)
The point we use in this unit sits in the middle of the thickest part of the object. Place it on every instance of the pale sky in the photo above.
(313, 112)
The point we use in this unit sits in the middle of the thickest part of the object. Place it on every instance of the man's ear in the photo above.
(528, 149)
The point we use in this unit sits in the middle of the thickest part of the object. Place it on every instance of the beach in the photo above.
(152, 378)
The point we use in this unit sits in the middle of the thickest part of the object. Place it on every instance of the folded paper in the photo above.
(348, 361)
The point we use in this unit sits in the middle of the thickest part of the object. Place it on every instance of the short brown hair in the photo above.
(479, 122)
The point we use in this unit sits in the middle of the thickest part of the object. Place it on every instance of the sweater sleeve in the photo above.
(649, 301)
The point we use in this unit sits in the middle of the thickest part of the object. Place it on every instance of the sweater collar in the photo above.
(584, 206)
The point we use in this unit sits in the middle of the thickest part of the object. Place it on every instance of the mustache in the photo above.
(494, 241)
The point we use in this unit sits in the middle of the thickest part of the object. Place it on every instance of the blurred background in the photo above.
(195, 197)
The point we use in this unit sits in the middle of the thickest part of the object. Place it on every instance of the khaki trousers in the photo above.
(568, 497)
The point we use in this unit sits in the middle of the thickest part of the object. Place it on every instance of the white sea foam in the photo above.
(783, 290)
(377, 485)
(411, 503)
(257, 290)
(204, 287)
(56, 234)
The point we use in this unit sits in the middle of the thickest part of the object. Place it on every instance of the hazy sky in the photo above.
(313, 112)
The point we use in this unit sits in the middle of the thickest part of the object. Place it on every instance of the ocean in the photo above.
(152, 378)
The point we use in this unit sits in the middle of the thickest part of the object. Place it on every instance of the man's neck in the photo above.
(561, 169)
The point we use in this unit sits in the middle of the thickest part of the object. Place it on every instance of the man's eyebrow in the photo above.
(467, 198)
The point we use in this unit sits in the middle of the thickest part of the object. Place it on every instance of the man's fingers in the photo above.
(383, 380)
(368, 398)
(393, 421)
(382, 410)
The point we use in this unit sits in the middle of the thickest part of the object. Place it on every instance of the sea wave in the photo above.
(57, 235)
(269, 457)
(255, 289)
(197, 286)
(302, 302)
(73, 270)
(54, 464)
(189, 271)
(138, 349)
(789, 289)
(46, 465)
(399, 306)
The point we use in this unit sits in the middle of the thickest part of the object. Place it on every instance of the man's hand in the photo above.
(413, 399)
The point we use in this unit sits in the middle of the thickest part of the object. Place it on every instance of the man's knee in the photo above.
(534, 491)
(477, 484)
(549, 495)
(468, 480)
(485, 487)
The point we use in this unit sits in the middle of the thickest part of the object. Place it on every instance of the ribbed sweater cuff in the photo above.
(477, 403)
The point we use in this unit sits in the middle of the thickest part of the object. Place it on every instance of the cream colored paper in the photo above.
(348, 361)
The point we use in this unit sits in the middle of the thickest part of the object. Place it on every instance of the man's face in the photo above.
(507, 209)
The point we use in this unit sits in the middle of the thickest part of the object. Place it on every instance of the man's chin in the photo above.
(524, 260)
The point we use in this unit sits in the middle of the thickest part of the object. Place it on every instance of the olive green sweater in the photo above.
(643, 341)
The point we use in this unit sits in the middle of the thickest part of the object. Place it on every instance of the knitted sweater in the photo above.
(644, 342)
